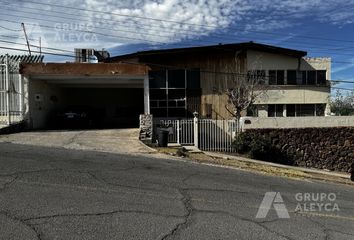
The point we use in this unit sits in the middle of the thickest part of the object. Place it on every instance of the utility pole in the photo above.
(28, 45)
(40, 46)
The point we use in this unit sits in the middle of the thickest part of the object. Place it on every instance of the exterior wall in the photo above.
(40, 103)
(303, 122)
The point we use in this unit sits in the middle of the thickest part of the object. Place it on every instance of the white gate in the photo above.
(206, 134)
(216, 135)
(11, 99)
(181, 131)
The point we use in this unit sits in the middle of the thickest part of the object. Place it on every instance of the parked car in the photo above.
(76, 117)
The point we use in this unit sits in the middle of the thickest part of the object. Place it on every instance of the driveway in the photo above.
(112, 140)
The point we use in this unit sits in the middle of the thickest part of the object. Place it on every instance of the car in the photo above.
(75, 117)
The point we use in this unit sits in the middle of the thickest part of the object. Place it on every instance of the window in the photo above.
(170, 90)
(272, 77)
(275, 110)
(176, 79)
(311, 78)
(193, 79)
(256, 76)
(276, 77)
(314, 77)
(305, 110)
(157, 79)
(291, 110)
(291, 77)
(321, 77)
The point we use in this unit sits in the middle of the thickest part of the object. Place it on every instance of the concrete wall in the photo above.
(41, 102)
(298, 122)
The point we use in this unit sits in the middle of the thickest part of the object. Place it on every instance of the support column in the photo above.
(146, 95)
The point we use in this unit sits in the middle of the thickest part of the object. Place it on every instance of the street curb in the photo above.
(305, 170)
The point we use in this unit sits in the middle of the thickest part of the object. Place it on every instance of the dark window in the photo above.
(158, 94)
(305, 110)
(256, 76)
(193, 79)
(291, 77)
(320, 109)
(157, 79)
(272, 77)
(276, 77)
(271, 110)
(290, 110)
(275, 110)
(176, 79)
(321, 77)
(311, 77)
(280, 77)
(303, 77)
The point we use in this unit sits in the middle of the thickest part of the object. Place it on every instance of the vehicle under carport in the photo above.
(112, 93)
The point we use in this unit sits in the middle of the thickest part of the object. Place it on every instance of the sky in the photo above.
(323, 28)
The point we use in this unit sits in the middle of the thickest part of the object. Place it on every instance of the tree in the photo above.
(342, 104)
(245, 90)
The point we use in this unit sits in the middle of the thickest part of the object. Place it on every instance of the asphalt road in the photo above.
(57, 193)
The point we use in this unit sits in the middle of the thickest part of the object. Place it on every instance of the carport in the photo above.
(114, 90)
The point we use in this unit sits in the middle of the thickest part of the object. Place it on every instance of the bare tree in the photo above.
(245, 89)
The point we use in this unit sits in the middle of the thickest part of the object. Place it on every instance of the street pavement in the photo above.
(49, 192)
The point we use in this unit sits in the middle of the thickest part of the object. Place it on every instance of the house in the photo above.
(175, 83)
(185, 80)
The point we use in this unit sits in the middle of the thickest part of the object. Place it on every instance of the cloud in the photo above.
(112, 23)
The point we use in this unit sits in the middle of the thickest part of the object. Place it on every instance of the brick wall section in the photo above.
(323, 148)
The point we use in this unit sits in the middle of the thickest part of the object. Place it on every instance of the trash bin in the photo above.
(163, 138)
(352, 172)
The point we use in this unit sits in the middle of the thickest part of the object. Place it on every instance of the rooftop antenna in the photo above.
(28, 45)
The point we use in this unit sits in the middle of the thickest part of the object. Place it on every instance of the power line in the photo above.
(181, 23)
(49, 48)
(77, 30)
(219, 36)
(10, 29)
(156, 35)
(345, 89)
(49, 53)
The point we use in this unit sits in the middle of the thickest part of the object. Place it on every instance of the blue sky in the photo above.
(320, 27)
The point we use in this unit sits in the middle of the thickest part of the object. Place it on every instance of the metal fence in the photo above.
(216, 135)
(180, 131)
(206, 134)
(11, 97)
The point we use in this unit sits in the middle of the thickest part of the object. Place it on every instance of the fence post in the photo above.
(196, 129)
(178, 133)
(7, 84)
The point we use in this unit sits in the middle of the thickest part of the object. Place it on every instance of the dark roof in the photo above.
(214, 48)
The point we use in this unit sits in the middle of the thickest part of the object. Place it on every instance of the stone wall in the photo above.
(323, 148)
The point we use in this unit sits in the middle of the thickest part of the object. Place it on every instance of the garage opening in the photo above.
(96, 107)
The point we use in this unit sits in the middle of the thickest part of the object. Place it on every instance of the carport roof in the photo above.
(83, 69)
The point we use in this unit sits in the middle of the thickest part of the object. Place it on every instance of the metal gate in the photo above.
(11, 97)
(180, 131)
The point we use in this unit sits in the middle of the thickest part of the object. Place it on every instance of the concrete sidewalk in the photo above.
(302, 169)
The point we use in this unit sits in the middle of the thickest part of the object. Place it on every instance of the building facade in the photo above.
(187, 80)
